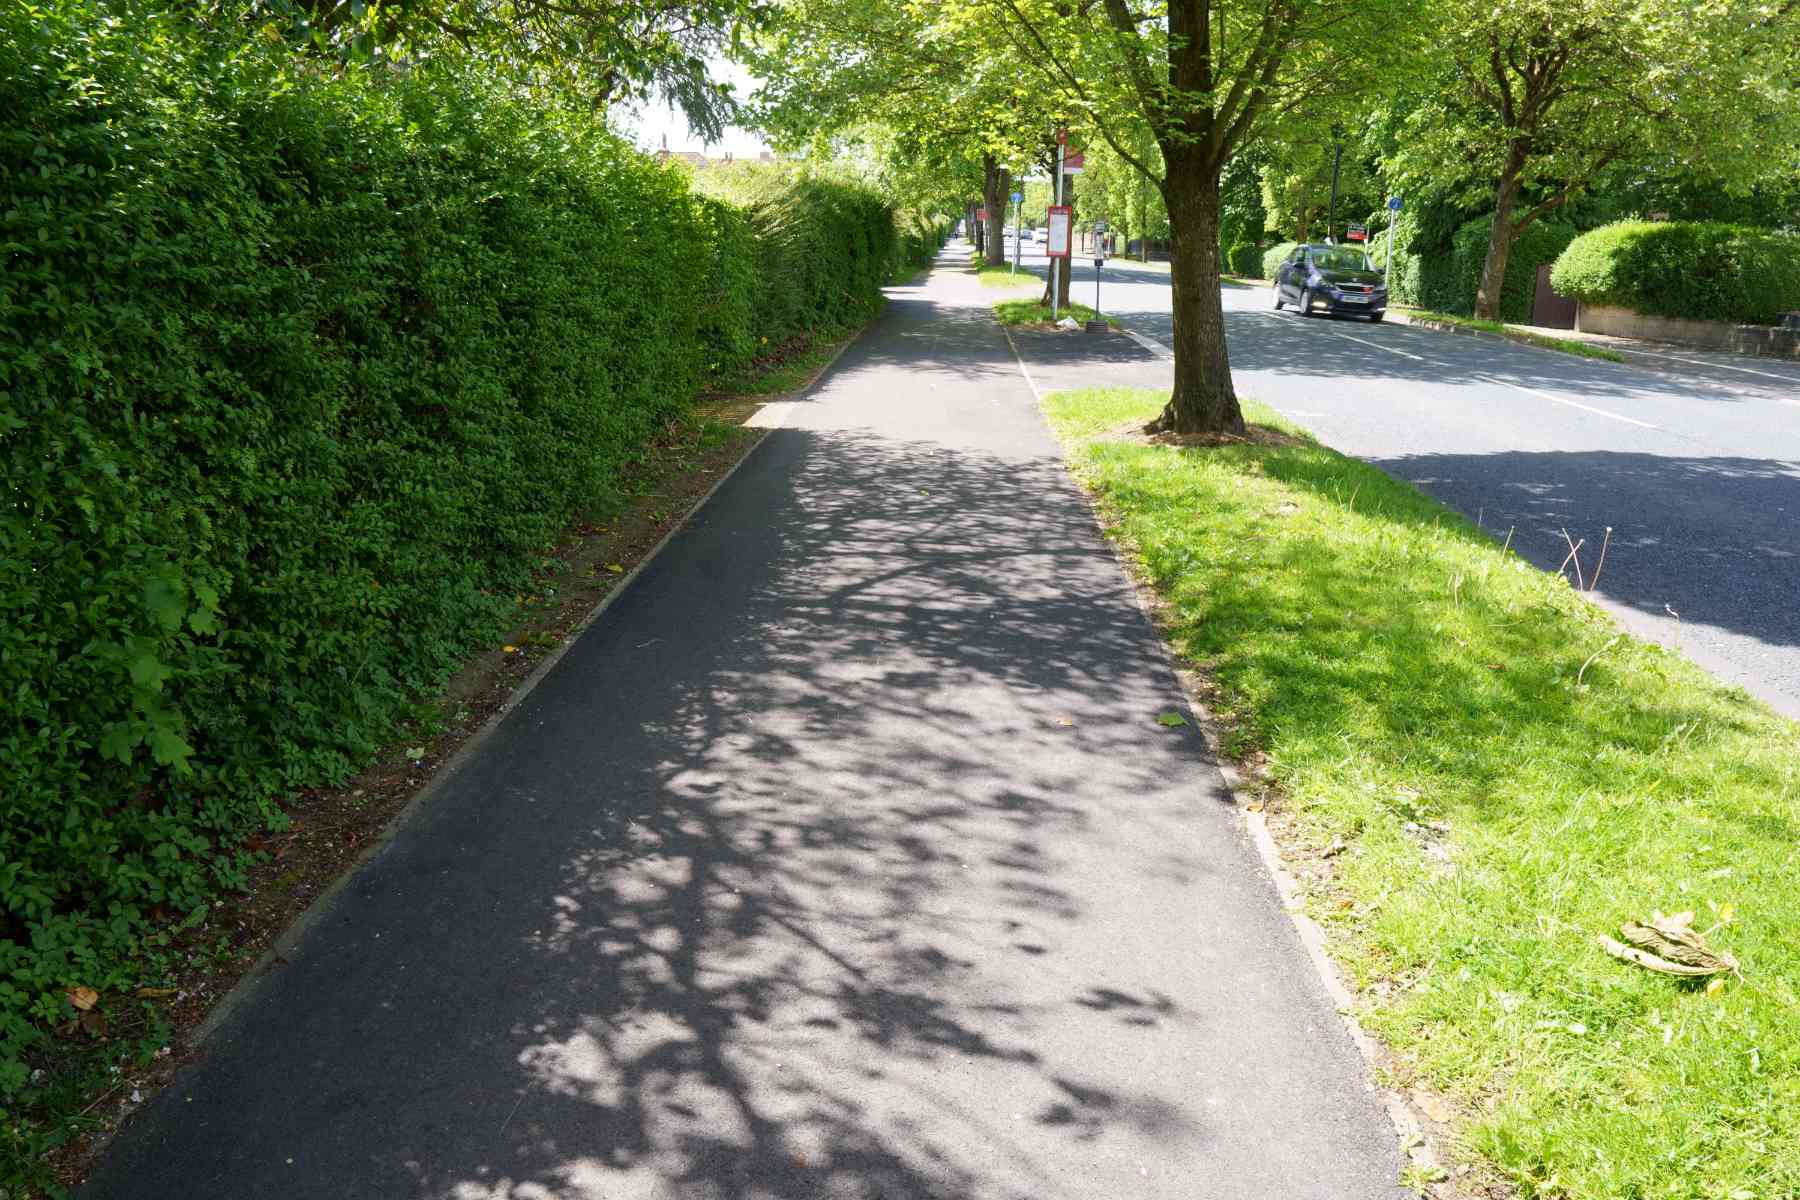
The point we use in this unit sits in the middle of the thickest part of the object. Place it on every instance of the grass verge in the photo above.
(1006, 277)
(1474, 775)
(1542, 341)
(1030, 312)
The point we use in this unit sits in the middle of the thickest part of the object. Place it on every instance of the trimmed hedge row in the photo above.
(298, 377)
(1696, 270)
(1245, 259)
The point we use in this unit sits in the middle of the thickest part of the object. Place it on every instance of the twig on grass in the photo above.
(1575, 556)
(1601, 565)
(1596, 654)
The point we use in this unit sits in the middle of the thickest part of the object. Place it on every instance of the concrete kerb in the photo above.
(290, 938)
(1420, 1136)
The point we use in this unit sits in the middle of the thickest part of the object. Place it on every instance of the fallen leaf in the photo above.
(1435, 1108)
(1727, 914)
(83, 998)
(615, 568)
(1714, 986)
(416, 753)
(150, 993)
(1254, 806)
(509, 649)
(1171, 719)
(1496, 666)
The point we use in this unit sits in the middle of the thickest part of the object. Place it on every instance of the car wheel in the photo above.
(1276, 292)
(1375, 317)
(1306, 309)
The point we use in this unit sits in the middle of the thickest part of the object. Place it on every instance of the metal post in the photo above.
(1018, 228)
(1337, 157)
(1389, 270)
(1056, 187)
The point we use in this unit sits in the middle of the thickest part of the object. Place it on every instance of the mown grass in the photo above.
(1030, 312)
(1003, 277)
(1420, 694)
(1542, 341)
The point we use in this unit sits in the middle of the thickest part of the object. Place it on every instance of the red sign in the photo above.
(1062, 136)
(981, 214)
(1356, 233)
(1072, 163)
(1059, 223)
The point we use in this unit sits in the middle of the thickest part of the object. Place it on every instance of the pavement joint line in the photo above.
(1554, 399)
(1020, 359)
(1700, 362)
(286, 943)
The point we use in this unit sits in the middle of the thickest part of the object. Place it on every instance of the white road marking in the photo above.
(1700, 362)
(1149, 343)
(1519, 387)
(1366, 342)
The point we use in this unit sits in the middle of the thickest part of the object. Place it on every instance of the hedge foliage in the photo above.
(1454, 292)
(298, 377)
(1697, 270)
(1245, 259)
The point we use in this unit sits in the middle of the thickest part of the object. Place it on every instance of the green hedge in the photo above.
(1454, 291)
(1245, 259)
(1274, 256)
(1697, 270)
(298, 377)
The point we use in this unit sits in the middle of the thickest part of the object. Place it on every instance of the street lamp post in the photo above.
(1337, 158)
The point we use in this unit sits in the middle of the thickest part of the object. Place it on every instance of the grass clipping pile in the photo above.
(1671, 946)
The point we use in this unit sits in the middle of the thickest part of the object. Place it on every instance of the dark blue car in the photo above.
(1336, 279)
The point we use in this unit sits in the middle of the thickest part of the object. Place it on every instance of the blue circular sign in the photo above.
(1017, 196)
(1393, 204)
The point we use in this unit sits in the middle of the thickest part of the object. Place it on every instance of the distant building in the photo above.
(699, 161)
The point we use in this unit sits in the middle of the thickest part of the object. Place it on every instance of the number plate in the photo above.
(1356, 299)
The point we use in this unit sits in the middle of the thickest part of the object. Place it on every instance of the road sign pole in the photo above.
(1392, 232)
(1057, 189)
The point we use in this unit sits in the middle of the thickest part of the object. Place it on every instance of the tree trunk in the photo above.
(994, 197)
(1500, 240)
(975, 230)
(1203, 400)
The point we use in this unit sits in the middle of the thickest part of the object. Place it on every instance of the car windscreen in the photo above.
(1340, 258)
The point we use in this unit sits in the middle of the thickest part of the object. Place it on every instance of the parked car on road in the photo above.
(1338, 279)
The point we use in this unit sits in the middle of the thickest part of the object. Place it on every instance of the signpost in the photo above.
(1056, 205)
(1356, 233)
(1098, 324)
(1393, 207)
(1018, 199)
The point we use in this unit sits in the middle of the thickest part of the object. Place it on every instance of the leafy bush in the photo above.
(1699, 271)
(1246, 259)
(298, 374)
(1454, 291)
(823, 248)
(1274, 256)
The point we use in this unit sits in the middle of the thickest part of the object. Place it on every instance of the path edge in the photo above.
(1421, 1139)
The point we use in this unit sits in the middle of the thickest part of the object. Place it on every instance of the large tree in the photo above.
(1535, 100)
(1202, 77)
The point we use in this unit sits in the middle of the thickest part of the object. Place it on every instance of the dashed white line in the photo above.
(1366, 342)
(1601, 412)
(1700, 362)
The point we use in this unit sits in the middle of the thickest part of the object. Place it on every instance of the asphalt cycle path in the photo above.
(843, 856)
